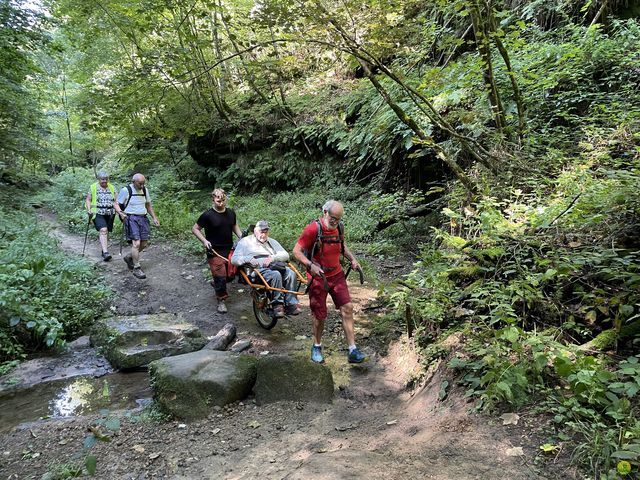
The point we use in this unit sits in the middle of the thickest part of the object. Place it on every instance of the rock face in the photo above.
(129, 342)
(294, 379)
(188, 386)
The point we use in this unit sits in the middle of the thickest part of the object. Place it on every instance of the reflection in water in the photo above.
(77, 396)
(70, 400)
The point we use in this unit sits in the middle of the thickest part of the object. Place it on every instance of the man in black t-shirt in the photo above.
(219, 224)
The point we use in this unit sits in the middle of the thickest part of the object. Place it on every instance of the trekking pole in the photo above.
(86, 234)
(123, 238)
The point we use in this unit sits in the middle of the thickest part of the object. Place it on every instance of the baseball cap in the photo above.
(262, 225)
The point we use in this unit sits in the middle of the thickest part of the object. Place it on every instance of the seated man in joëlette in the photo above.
(267, 256)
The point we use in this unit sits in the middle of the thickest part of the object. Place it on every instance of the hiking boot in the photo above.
(138, 273)
(106, 256)
(278, 311)
(222, 308)
(129, 261)
(316, 354)
(356, 356)
(293, 309)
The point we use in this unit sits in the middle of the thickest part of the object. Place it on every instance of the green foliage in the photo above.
(289, 213)
(530, 276)
(20, 37)
(62, 471)
(66, 196)
(46, 296)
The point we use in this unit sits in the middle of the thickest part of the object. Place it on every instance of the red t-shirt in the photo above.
(327, 253)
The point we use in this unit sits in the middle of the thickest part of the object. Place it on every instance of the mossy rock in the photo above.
(293, 379)
(135, 341)
(188, 386)
(466, 272)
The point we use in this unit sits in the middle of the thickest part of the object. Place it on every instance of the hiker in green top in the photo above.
(101, 206)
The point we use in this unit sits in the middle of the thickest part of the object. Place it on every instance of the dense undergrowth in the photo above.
(46, 296)
(544, 285)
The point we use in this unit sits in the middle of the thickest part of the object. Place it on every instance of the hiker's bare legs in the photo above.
(316, 330)
(137, 246)
(104, 239)
(346, 312)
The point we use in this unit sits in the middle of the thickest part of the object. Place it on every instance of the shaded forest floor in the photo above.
(375, 428)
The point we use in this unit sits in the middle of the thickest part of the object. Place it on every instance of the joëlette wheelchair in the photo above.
(262, 293)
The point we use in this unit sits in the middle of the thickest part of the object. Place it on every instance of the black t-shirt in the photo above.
(218, 229)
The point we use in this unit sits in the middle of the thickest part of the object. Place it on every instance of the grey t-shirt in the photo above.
(138, 199)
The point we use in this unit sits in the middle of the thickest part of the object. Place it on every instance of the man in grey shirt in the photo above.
(261, 252)
(137, 204)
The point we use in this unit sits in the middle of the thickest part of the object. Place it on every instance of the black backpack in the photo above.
(131, 194)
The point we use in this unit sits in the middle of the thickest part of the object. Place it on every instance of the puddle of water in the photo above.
(77, 396)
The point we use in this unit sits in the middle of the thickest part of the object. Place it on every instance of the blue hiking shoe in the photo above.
(316, 354)
(356, 356)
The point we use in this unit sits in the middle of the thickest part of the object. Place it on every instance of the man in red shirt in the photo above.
(327, 276)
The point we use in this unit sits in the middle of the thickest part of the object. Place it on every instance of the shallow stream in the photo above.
(74, 396)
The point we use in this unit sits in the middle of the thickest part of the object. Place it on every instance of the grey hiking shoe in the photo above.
(129, 261)
(106, 256)
(138, 273)
(293, 309)
(222, 308)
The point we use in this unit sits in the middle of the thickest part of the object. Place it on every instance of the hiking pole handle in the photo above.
(360, 273)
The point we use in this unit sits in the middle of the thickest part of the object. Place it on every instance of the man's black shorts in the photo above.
(102, 221)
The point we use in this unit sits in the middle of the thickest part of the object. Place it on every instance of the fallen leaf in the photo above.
(510, 418)
(153, 456)
(549, 448)
(515, 452)
(138, 448)
(253, 424)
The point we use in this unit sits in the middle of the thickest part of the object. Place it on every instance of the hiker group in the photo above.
(319, 249)
(132, 205)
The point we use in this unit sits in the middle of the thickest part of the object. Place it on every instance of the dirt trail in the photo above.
(374, 429)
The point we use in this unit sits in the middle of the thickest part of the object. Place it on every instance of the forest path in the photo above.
(374, 429)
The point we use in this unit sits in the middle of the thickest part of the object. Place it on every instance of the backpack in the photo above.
(131, 194)
(321, 239)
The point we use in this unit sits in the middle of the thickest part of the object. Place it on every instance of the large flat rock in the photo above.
(135, 341)
(293, 379)
(188, 386)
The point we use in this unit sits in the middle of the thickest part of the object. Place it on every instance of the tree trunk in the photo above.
(468, 184)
